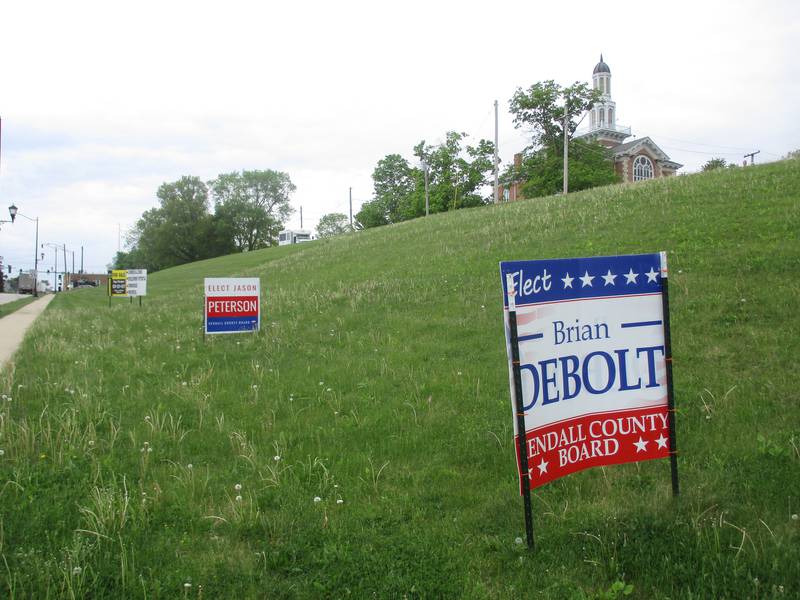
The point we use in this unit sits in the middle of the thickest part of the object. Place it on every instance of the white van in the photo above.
(294, 236)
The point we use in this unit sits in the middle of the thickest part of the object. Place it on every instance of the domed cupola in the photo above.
(601, 67)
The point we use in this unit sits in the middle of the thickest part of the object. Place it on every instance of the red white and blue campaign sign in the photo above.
(590, 334)
(232, 304)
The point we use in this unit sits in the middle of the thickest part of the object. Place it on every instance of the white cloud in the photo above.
(101, 102)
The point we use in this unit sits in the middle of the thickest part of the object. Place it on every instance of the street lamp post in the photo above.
(14, 212)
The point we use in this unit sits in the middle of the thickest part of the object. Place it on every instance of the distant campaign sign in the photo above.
(232, 304)
(137, 282)
(591, 343)
(118, 283)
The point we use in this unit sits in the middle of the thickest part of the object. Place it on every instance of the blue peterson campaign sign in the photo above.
(591, 360)
(232, 304)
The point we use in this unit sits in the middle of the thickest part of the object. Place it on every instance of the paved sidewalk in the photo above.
(14, 326)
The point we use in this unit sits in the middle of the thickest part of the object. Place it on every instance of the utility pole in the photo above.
(566, 147)
(64, 278)
(496, 160)
(301, 217)
(752, 156)
(81, 259)
(427, 202)
(351, 208)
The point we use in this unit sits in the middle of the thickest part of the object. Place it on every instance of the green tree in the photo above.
(714, 163)
(394, 180)
(252, 206)
(333, 224)
(540, 110)
(180, 230)
(457, 174)
(590, 166)
(372, 214)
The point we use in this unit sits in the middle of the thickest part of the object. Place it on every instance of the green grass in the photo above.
(379, 380)
(14, 305)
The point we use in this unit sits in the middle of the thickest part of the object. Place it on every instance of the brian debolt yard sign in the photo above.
(589, 363)
(232, 304)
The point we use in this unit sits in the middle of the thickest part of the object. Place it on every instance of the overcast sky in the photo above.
(101, 102)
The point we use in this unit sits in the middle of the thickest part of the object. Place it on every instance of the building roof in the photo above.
(601, 67)
(629, 148)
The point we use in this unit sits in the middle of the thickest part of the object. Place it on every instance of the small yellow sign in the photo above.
(118, 284)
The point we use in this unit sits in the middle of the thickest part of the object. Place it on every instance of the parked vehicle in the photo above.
(294, 236)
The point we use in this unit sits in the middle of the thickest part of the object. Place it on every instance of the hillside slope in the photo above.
(368, 426)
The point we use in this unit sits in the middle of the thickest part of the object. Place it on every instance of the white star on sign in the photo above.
(662, 441)
(586, 279)
(543, 467)
(631, 276)
(651, 275)
(641, 445)
(567, 281)
(609, 278)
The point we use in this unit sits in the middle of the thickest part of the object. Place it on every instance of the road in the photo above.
(4, 298)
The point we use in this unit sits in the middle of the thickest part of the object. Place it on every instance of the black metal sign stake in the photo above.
(673, 449)
(518, 403)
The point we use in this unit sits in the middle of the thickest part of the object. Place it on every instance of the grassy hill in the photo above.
(361, 444)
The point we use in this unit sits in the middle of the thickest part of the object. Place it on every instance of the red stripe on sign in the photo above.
(595, 440)
(232, 306)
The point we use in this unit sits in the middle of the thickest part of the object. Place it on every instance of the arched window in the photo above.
(642, 168)
(602, 117)
(610, 116)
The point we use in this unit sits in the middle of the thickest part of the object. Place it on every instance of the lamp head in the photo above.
(12, 210)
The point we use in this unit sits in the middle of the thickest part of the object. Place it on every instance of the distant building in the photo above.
(636, 160)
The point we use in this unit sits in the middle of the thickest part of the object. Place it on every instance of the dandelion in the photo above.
(9, 399)
(76, 362)
(238, 487)
(327, 389)
(340, 501)
(183, 383)
(149, 449)
(322, 383)
(2, 452)
(77, 571)
(317, 499)
(795, 517)
(743, 300)
(276, 458)
(4, 396)
(708, 417)
(147, 418)
(189, 466)
(91, 443)
(187, 585)
(238, 498)
(255, 387)
(518, 541)
(459, 372)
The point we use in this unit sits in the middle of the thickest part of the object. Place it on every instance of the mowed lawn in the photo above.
(361, 444)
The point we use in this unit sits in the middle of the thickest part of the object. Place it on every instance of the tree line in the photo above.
(250, 208)
(460, 175)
